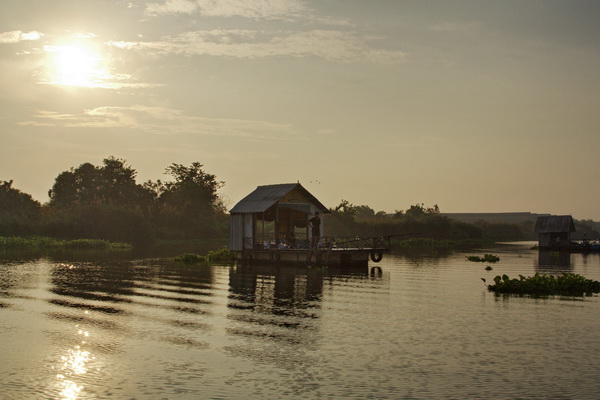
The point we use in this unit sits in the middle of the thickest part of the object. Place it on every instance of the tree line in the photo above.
(106, 202)
(348, 219)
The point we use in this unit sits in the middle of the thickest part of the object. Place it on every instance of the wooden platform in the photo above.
(333, 252)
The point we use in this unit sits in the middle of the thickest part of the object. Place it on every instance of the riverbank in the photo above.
(37, 246)
(12, 242)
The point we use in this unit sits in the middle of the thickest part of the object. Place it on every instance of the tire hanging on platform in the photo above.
(376, 256)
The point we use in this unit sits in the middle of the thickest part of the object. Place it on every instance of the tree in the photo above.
(113, 183)
(345, 208)
(101, 202)
(340, 220)
(191, 201)
(73, 186)
(419, 210)
(364, 212)
(19, 212)
(193, 185)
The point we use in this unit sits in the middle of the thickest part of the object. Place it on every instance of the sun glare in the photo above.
(75, 65)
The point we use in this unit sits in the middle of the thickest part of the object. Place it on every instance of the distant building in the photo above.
(554, 231)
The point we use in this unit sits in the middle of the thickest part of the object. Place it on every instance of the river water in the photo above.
(421, 327)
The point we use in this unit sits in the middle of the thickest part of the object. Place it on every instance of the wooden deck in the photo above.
(330, 252)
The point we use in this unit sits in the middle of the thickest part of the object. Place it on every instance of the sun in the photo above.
(75, 64)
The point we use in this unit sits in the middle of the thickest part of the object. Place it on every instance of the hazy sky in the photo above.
(476, 106)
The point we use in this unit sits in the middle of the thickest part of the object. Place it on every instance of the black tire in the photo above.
(376, 271)
(376, 256)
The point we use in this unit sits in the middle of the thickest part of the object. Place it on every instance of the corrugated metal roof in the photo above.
(264, 197)
(554, 224)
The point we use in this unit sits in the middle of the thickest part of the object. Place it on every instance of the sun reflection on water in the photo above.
(73, 365)
(70, 390)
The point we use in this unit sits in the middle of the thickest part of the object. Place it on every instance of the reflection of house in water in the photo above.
(267, 287)
(279, 302)
(284, 305)
(550, 262)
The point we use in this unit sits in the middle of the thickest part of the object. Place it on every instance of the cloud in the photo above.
(255, 9)
(456, 26)
(18, 36)
(330, 45)
(162, 120)
(172, 7)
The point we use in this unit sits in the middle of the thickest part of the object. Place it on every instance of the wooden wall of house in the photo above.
(236, 232)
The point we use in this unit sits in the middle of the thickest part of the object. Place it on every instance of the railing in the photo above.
(359, 243)
(272, 242)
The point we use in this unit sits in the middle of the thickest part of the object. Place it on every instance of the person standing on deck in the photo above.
(315, 224)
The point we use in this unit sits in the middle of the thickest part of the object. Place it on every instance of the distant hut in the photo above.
(554, 231)
(273, 216)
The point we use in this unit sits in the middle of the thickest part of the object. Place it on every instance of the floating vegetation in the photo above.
(220, 256)
(94, 244)
(47, 242)
(545, 285)
(490, 258)
(488, 268)
(191, 258)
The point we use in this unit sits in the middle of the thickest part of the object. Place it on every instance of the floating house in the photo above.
(272, 224)
(554, 231)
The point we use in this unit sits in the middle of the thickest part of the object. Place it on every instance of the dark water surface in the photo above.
(423, 328)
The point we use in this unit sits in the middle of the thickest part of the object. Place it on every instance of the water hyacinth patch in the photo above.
(486, 258)
(222, 256)
(545, 285)
(190, 258)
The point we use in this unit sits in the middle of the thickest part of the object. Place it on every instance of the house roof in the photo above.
(554, 224)
(264, 197)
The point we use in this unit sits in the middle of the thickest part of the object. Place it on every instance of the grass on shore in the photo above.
(47, 242)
